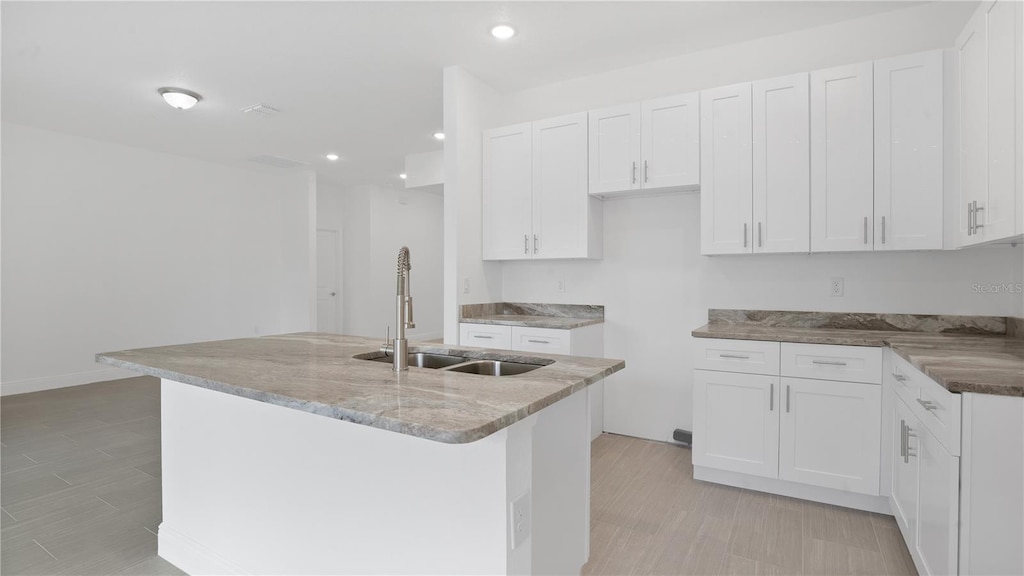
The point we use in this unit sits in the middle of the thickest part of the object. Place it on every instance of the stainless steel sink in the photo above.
(493, 368)
(418, 359)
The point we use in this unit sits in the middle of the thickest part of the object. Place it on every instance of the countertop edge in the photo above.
(550, 322)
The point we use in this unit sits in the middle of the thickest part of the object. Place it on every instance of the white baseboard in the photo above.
(27, 385)
(878, 504)
(190, 556)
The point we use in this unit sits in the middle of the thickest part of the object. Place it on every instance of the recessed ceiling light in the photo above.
(503, 31)
(439, 135)
(402, 175)
(332, 157)
(179, 97)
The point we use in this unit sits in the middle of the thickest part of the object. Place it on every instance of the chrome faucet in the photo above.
(400, 347)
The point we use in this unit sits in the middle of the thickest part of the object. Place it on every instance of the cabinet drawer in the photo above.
(486, 335)
(750, 356)
(546, 340)
(938, 409)
(830, 362)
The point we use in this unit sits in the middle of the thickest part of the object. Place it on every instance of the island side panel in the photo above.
(255, 488)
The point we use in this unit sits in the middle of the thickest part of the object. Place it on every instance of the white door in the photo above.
(908, 152)
(842, 172)
(560, 199)
(972, 47)
(998, 214)
(782, 170)
(736, 422)
(938, 505)
(507, 193)
(328, 281)
(670, 136)
(725, 170)
(614, 149)
(830, 434)
(903, 499)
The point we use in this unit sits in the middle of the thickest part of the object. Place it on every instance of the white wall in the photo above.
(654, 284)
(375, 223)
(107, 247)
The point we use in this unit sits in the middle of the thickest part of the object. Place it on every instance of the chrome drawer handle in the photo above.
(483, 337)
(829, 362)
(899, 377)
(928, 405)
(539, 341)
(736, 356)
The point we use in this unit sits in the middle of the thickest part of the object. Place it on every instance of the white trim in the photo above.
(876, 504)
(311, 226)
(190, 556)
(27, 385)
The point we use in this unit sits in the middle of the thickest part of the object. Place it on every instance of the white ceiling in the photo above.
(362, 79)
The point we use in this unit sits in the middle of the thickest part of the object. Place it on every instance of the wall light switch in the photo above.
(521, 515)
(560, 286)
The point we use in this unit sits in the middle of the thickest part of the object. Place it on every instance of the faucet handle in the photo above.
(386, 347)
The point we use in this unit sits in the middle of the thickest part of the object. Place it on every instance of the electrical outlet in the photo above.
(560, 286)
(465, 285)
(521, 515)
(836, 287)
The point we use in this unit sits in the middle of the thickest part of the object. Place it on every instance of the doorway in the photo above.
(328, 281)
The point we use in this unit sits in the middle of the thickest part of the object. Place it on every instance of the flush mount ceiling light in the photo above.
(179, 97)
(503, 31)
(439, 135)
(332, 157)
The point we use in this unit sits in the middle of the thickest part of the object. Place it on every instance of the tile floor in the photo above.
(80, 494)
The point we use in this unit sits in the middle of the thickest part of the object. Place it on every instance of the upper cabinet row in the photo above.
(843, 159)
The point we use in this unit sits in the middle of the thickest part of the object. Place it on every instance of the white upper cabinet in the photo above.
(842, 157)
(908, 152)
(615, 149)
(645, 146)
(562, 209)
(670, 142)
(781, 174)
(507, 223)
(991, 95)
(535, 202)
(726, 170)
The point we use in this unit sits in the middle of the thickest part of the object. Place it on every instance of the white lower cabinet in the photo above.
(829, 434)
(903, 496)
(736, 422)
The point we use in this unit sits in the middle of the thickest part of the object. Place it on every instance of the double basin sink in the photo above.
(457, 363)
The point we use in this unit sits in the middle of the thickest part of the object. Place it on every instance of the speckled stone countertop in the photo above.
(316, 372)
(981, 362)
(554, 316)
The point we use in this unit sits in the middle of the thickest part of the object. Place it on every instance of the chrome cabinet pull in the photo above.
(483, 337)
(899, 377)
(645, 170)
(787, 398)
(903, 439)
(883, 229)
(771, 398)
(928, 405)
(736, 356)
(526, 243)
(976, 210)
(759, 243)
(829, 362)
(539, 341)
(634, 172)
(970, 219)
(865, 229)
(744, 234)
(536, 244)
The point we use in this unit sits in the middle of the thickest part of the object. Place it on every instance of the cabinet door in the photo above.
(736, 422)
(670, 136)
(614, 149)
(830, 434)
(972, 48)
(938, 504)
(903, 499)
(908, 152)
(726, 170)
(842, 172)
(998, 214)
(560, 199)
(782, 171)
(507, 192)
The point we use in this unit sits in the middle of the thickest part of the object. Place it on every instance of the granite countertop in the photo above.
(984, 364)
(533, 315)
(316, 373)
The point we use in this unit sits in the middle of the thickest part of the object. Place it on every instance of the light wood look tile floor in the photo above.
(80, 494)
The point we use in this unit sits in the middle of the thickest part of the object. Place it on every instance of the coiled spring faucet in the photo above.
(403, 304)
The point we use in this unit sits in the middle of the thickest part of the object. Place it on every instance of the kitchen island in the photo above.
(288, 454)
